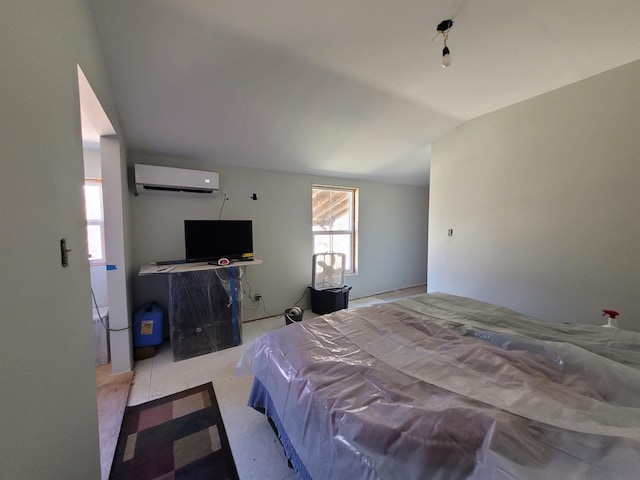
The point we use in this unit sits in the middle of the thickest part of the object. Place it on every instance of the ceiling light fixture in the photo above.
(443, 28)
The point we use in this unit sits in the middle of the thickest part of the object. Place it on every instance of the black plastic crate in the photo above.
(329, 300)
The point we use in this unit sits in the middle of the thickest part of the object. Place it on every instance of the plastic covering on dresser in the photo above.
(205, 311)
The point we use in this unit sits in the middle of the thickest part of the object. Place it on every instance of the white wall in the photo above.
(92, 163)
(392, 228)
(118, 249)
(543, 198)
(99, 285)
(49, 416)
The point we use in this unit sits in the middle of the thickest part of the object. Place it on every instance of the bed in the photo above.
(436, 386)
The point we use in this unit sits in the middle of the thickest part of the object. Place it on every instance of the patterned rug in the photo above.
(176, 437)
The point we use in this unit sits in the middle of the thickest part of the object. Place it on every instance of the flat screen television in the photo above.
(211, 240)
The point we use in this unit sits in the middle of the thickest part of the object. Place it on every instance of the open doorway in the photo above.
(104, 179)
(93, 198)
(98, 133)
(93, 127)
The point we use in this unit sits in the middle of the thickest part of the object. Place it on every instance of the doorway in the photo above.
(97, 131)
(103, 164)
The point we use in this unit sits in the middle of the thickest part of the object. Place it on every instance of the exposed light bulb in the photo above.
(446, 57)
(443, 29)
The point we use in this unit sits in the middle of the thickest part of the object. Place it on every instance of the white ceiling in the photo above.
(349, 88)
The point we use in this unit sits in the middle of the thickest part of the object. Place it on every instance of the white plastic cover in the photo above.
(437, 386)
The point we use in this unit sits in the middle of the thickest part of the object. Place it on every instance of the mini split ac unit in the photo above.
(155, 179)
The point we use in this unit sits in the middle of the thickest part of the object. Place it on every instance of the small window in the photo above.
(335, 225)
(95, 221)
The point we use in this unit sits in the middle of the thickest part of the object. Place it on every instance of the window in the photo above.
(335, 222)
(95, 221)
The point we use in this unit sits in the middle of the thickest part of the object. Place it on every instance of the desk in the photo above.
(153, 269)
(205, 306)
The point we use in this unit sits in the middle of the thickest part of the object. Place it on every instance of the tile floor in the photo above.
(256, 450)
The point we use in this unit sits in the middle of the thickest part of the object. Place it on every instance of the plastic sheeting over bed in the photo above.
(437, 386)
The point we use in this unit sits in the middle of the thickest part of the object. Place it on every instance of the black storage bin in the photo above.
(329, 300)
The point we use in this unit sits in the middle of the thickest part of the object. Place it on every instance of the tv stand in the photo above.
(204, 308)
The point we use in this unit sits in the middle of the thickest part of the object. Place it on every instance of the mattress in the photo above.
(444, 387)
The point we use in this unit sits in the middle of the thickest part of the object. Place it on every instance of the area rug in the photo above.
(179, 437)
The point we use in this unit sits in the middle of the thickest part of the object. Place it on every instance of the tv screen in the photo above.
(211, 240)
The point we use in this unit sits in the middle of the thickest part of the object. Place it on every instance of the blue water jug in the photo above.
(147, 325)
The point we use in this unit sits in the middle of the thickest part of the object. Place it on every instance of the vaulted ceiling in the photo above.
(349, 88)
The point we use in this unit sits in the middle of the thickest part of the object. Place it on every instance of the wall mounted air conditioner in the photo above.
(155, 179)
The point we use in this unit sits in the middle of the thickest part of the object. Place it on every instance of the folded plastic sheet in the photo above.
(444, 387)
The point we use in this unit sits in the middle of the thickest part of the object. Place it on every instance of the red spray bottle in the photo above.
(611, 318)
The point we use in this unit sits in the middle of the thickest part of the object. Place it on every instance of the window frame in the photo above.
(96, 222)
(352, 231)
